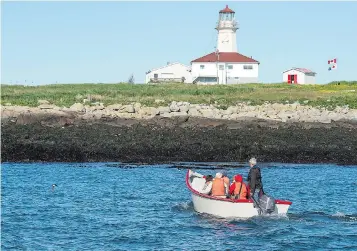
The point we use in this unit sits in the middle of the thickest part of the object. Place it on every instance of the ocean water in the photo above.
(100, 206)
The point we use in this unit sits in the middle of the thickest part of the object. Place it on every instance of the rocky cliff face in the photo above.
(179, 132)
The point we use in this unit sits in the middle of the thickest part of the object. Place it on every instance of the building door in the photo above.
(292, 79)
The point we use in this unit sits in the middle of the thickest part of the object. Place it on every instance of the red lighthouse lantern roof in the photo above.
(226, 10)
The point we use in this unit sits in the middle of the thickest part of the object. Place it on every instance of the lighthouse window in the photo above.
(202, 66)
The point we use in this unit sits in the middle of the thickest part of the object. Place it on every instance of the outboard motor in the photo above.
(266, 204)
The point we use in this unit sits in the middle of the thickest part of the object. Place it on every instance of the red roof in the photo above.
(232, 57)
(303, 70)
(226, 10)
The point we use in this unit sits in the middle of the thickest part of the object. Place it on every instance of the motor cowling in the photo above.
(267, 204)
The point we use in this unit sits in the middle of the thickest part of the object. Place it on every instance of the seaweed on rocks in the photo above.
(172, 140)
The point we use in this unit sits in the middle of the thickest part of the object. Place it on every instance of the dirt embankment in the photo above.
(158, 140)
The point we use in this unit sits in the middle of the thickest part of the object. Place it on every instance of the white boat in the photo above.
(230, 208)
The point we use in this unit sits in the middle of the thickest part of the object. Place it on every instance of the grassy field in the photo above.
(329, 95)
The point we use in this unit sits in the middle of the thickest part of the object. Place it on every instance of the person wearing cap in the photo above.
(219, 187)
(238, 189)
(254, 178)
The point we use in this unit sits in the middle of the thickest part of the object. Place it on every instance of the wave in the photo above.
(183, 206)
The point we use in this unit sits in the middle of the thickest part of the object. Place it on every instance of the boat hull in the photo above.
(229, 208)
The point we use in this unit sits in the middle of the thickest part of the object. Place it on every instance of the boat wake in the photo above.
(308, 216)
(322, 216)
(183, 206)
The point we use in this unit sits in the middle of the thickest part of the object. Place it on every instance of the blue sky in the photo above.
(77, 42)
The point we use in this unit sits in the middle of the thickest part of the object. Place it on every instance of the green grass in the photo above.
(329, 95)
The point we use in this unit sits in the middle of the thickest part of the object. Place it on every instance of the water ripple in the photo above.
(102, 206)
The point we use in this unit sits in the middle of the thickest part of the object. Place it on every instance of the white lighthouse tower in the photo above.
(227, 27)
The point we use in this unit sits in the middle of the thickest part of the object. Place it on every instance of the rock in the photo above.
(173, 114)
(231, 109)
(43, 102)
(114, 107)
(184, 108)
(77, 107)
(194, 112)
(234, 116)
(207, 113)
(250, 114)
(163, 109)
(166, 115)
(8, 114)
(125, 115)
(148, 111)
(174, 107)
(324, 120)
(128, 108)
(26, 118)
(334, 116)
(64, 121)
(217, 116)
(137, 106)
(47, 106)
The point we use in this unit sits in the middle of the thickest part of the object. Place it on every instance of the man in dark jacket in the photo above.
(254, 178)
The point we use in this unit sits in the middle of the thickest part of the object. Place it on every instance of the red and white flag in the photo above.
(333, 61)
(333, 64)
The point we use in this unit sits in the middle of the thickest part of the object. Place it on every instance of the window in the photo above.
(247, 67)
(230, 67)
(221, 67)
(202, 66)
(156, 75)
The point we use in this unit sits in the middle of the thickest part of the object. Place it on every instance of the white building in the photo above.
(224, 66)
(172, 72)
(299, 76)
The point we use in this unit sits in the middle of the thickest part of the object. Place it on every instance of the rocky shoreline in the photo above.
(295, 112)
(180, 131)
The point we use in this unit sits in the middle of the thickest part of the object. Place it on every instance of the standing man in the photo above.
(255, 179)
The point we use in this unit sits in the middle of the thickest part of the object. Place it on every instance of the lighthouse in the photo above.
(227, 27)
(224, 65)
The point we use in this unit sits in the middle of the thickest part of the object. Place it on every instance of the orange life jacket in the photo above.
(226, 180)
(243, 191)
(218, 188)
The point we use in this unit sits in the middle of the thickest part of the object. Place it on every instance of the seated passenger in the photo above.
(238, 189)
(200, 183)
(219, 187)
(198, 180)
(226, 179)
(207, 188)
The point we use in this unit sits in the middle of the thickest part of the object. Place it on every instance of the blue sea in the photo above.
(109, 206)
